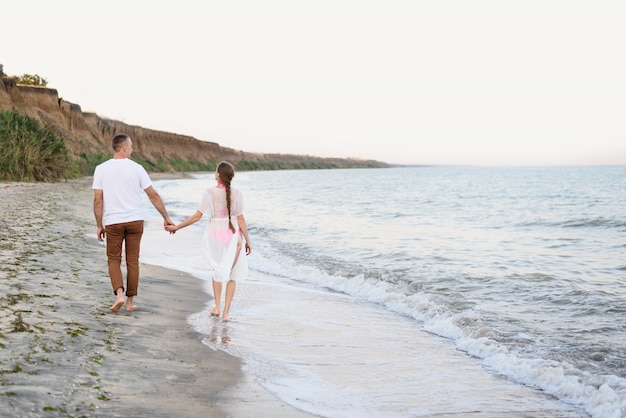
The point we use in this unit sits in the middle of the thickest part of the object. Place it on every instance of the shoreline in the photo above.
(63, 353)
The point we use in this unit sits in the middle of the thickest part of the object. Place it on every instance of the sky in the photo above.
(438, 82)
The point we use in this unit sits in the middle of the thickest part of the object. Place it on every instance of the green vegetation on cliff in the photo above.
(30, 152)
(88, 163)
(313, 164)
(31, 80)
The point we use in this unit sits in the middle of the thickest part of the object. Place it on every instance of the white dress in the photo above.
(219, 243)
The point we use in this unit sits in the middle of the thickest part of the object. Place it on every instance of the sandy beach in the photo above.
(63, 353)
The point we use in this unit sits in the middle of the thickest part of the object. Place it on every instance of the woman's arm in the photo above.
(191, 220)
(241, 221)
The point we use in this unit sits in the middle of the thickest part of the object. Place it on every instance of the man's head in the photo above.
(122, 144)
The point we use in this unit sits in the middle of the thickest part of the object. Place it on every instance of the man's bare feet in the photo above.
(117, 305)
(215, 311)
(132, 308)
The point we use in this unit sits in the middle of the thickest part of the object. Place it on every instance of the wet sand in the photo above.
(63, 353)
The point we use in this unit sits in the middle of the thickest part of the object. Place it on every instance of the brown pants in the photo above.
(129, 234)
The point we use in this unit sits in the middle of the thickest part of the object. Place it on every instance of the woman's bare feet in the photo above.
(215, 311)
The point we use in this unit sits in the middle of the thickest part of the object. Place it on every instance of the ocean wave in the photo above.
(602, 223)
(600, 395)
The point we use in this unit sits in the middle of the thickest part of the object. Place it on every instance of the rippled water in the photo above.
(539, 252)
(524, 268)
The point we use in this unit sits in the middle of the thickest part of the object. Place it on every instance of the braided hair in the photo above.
(225, 173)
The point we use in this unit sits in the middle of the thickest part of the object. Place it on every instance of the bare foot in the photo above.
(215, 311)
(226, 317)
(132, 308)
(117, 305)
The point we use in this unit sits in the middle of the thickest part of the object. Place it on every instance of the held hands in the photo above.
(169, 226)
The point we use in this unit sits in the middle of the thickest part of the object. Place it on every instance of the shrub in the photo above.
(31, 80)
(30, 152)
(88, 162)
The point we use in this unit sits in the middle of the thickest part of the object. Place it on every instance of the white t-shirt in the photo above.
(122, 181)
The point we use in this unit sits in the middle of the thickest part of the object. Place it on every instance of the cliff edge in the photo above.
(90, 134)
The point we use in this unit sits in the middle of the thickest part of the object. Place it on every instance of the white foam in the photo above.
(560, 380)
(333, 355)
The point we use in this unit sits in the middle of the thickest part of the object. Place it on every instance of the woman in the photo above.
(224, 240)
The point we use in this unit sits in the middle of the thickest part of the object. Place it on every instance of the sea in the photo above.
(421, 291)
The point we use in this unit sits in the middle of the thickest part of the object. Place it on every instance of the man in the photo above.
(117, 186)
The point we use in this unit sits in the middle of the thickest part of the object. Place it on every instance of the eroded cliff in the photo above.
(90, 134)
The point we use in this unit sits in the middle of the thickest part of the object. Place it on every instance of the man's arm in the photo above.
(98, 207)
(156, 201)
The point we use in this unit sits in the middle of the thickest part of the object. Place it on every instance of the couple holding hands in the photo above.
(117, 186)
